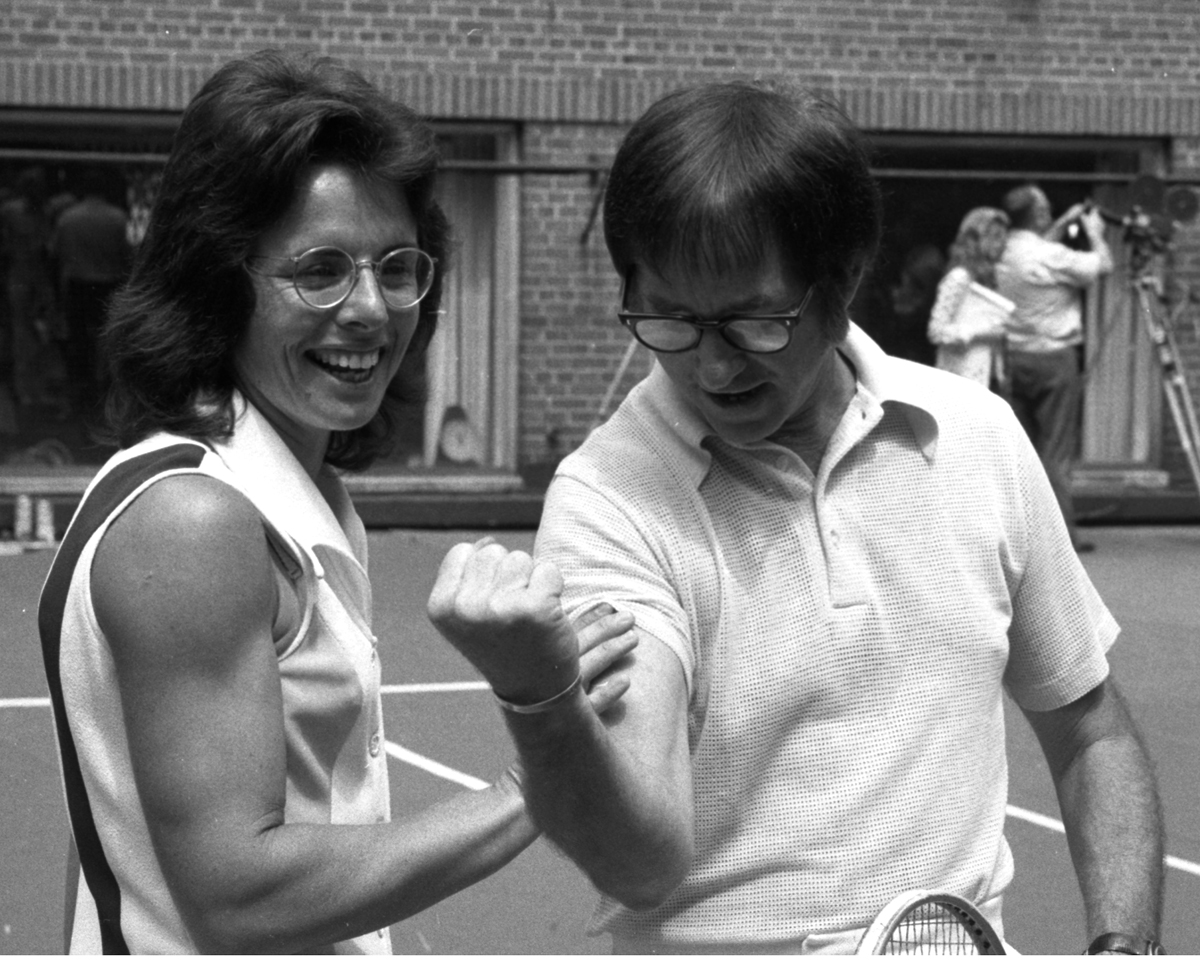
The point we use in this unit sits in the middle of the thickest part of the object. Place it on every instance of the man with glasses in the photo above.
(838, 563)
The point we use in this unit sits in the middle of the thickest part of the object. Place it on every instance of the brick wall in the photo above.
(1056, 66)
(575, 72)
(572, 346)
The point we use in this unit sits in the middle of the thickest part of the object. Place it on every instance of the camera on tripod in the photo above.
(1148, 223)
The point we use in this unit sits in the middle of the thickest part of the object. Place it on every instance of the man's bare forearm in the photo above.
(1114, 829)
(1111, 810)
(625, 823)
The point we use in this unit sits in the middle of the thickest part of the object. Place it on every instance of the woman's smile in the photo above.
(347, 366)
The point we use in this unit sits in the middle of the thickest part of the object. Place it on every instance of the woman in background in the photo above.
(966, 322)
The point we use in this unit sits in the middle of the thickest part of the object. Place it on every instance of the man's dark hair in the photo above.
(711, 178)
(1020, 203)
(235, 164)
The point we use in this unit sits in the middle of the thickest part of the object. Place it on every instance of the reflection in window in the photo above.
(65, 247)
(67, 232)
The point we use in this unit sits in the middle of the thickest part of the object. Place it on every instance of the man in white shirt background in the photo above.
(1045, 278)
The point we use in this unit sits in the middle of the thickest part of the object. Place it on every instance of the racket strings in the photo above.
(934, 928)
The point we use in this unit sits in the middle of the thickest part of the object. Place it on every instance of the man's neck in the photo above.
(808, 437)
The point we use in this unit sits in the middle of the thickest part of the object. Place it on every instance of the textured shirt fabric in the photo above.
(328, 667)
(1044, 279)
(846, 641)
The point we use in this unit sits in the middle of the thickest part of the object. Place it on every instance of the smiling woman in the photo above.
(206, 624)
(175, 327)
(327, 337)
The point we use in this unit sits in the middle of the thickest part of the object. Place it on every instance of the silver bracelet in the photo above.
(545, 705)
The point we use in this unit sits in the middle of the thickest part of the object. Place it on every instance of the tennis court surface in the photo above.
(445, 735)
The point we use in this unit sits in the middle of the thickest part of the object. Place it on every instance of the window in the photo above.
(468, 426)
(470, 416)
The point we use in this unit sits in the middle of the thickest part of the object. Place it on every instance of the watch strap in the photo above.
(1124, 943)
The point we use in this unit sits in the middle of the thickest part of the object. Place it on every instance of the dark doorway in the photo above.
(930, 183)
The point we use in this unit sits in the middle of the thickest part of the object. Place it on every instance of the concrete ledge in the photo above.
(72, 480)
(472, 483)
(512, 511)
(432, 499)
(41, 481)
(1136, 506)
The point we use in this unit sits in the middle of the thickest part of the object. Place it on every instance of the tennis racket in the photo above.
(929, 922)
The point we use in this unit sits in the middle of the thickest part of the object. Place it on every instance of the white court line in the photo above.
(458, 687)
(25, 702)
(432, 766)
(474, 783)
(1050, 823)
(465, 686)
(1036, 818)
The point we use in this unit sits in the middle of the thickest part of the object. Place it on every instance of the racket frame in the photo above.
(874, 942)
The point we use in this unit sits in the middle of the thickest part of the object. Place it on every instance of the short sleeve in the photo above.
(1061, 630)
(606, 555)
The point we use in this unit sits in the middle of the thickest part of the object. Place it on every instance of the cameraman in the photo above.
(1045, 279)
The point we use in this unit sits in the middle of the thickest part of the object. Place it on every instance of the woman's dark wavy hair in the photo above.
(233, 172)
(710, 178)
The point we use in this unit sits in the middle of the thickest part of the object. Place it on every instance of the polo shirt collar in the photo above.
(280, 487)
(892, 381)
(883, 379)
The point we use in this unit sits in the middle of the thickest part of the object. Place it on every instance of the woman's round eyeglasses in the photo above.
(678, 333)
(325, 276)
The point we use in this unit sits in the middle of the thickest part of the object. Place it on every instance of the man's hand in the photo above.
(502, 611)
(1092, 220)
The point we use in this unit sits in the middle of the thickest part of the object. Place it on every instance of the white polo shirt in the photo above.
(846, 640)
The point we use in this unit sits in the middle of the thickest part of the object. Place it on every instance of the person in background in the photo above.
(24, 250)
(1045, 280)
(966, 346)
(840, 565)
(92, 256)
(9, 426)
(206, 623)
(911, 299)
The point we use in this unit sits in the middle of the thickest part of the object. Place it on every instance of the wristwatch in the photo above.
(1124, 943)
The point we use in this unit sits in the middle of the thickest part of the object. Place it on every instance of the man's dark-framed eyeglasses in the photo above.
(325, 276)
(678, 333)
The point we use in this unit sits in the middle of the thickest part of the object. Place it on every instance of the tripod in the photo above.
(1160, 326)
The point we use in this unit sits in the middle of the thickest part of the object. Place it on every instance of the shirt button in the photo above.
(374, 746)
